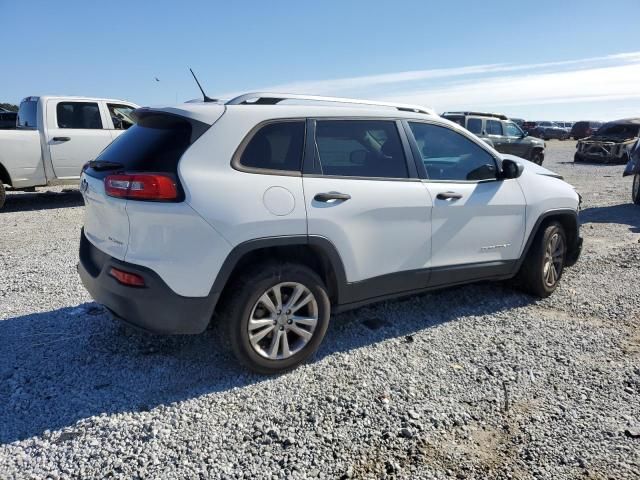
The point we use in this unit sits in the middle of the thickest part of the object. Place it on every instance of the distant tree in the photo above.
(9, 106)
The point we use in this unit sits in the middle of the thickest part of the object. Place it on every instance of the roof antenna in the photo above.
(206, 99)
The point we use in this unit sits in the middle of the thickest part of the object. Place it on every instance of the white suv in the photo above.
(276, 210)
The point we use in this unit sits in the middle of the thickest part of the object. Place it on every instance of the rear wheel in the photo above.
(543, 266)
(541, 135)
(3, 195)
(277, 317)
(577, 158)
(635, 190)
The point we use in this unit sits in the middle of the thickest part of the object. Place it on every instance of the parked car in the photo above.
(7, 119)
(276, 215)
(518, 121)
(584, 129)
(612, 143)
(549, 130)
(633, 168)
(55, 137)
(566, 125)
(501, 133)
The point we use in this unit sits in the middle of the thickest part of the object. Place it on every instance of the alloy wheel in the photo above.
(553, 259)
(282, 321)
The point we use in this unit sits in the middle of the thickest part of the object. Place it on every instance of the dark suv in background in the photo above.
(584, 129)
(501, 133)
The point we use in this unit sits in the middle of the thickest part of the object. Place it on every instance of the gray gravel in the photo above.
(472, 382)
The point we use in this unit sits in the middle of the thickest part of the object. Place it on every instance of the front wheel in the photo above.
(635, 190)
(537, 157)
(277, 317)
(3, 195)
(542, 268)
(577, 158)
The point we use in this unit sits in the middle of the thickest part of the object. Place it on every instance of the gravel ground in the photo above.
(471, 382)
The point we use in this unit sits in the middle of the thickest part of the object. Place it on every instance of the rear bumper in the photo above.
(155, 307)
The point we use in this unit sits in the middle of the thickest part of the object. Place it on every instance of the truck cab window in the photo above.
(121, 116)
(81, 115)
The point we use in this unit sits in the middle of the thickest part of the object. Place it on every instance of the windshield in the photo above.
(626, 130)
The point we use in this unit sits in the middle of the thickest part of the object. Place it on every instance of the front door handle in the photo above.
(61, 139)
(449, 196)
(326, 197)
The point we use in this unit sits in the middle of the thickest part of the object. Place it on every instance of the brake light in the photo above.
(141, 186)
(127, 278)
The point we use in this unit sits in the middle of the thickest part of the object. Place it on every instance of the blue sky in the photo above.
(537, 60)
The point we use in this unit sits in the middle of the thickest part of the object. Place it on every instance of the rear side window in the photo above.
(276, 146)
(154, 144)
(494, 127)
(474, 125)
(81, 115)
(28, 114)
(360, 148)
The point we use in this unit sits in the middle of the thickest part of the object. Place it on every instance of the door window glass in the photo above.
(360, 148)
(121, 116)
(474, 125)
(28, 114)
(512, 130)
(84, 115)
(448, 155)
(494, 127)
(276, 146)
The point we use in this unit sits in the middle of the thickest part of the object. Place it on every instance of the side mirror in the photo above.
(525, 134)
(511, 168)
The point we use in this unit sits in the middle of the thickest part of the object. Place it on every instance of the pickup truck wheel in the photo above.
(543, 266)
(635, 190)
(537, 156)
(3, 195)
(277, 317)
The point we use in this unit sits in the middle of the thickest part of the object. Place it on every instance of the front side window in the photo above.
(82, 115)
(512, 130)
(448, 155)
(121, 116)
(474, 125)
(360, 148)
(276, 146)
(494, 127)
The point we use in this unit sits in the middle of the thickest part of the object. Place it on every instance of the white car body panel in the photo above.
(486, 224)
(385, 227)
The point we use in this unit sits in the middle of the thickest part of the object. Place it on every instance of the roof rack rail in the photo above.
(479, 114)
(265, 98)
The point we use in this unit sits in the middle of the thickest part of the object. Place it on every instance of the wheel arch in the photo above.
(4, 175)
(316, 252)
(569, 220)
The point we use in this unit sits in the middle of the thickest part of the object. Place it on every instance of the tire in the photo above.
(251, 294)
(537, 156)
(635, 190)
(577, 158)
(541, 135)
(3, 195)
(535, 276)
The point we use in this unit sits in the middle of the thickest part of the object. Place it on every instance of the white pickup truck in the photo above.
(55, 137)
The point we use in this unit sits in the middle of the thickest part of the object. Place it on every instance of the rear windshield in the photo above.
(154, 144)
(28, 114)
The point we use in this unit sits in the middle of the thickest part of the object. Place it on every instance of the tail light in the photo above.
(127, 278)
(142, 186)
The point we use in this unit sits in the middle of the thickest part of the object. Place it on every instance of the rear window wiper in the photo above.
(100, 165)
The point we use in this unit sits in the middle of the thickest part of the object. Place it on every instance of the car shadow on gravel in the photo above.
(625, 214)
(18, 201)
(62, 366)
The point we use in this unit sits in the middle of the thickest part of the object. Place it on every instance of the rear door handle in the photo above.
(61, 139)
(449, 196)
(326, 197)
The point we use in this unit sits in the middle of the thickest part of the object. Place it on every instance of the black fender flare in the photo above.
(316, 242)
